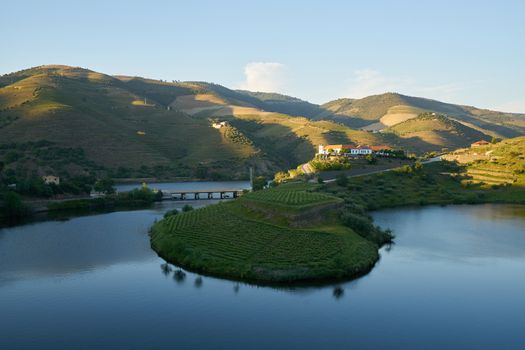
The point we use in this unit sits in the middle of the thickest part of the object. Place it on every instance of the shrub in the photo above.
(172, 212)
(342, 179)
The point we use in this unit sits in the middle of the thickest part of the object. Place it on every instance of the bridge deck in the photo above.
(202, 191)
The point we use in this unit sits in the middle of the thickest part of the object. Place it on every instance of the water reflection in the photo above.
(451, 272)
(198, 282)
(166, 269)
(179, 276)
(338, 292)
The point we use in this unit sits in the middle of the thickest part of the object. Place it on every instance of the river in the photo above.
(454, 279)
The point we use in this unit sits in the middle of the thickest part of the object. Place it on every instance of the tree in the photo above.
(105, 186)
(186, 208)
(201, 172)
(418, 166)
(495, 140)
(370, 159)
(341, 179)
(258, 183)
(13, 205)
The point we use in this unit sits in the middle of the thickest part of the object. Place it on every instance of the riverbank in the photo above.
(438, 183)
(288, 234)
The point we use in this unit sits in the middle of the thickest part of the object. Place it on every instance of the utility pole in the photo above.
(251, 177)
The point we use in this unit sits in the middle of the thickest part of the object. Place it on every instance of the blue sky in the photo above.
(470, 52)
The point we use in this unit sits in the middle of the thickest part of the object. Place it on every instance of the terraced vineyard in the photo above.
(227, 240)
(289, 197)
(490, 177)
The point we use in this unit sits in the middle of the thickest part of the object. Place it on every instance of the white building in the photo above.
(50, 179)
(219, 125)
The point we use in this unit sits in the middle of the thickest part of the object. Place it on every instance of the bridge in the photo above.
(200, 194)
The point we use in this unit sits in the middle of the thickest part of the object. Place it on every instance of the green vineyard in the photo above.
(227, 241)
(291, 196)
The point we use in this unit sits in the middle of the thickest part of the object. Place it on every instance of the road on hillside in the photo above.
(428, 161)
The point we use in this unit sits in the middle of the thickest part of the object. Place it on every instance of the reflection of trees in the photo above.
(166, 269)
(338, 292)
(198, 282)
(179, 276)
(236, 288)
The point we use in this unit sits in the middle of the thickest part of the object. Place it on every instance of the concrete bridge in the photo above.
(200, 194)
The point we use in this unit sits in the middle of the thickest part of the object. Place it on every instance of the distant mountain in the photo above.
(381, 111)
(132, 126)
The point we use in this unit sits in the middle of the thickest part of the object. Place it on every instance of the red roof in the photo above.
(379, 148)
(480, 142)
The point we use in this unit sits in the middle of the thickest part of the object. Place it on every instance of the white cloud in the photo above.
(366, 82)
(264, 77)
(515, 106)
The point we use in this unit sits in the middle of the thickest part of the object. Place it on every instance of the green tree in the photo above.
(13, 205)
(258, 183)
(341, 179)
(187, 208)
(371, 159)
(105, 185)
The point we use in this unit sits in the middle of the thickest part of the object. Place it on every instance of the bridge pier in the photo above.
(196, 195)
(210, 195)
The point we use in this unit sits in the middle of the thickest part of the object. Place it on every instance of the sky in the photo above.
(467, 52)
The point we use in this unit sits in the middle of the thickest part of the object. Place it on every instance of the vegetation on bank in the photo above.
(435, 183)
(335, 163)
(286, 234)
(136, 198)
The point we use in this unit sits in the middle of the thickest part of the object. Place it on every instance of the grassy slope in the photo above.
(74, 107)
(431, 131)
(246, 239)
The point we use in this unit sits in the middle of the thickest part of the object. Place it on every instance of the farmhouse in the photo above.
(479, 143)
(50, 179)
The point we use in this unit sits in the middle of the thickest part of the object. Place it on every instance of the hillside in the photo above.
(125, 126)
(381, 111)
(493, 164)
(120, 124)
(430, 130)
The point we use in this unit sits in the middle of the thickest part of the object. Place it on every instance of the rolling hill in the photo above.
(381, 111)
(138, 127)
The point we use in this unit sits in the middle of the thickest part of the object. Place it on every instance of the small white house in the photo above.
(50, 179)
(219, 125)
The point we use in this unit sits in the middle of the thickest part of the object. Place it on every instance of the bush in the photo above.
(258, 183)
(339, 163)
(187, 208)
(342, 180)
(169, 213)
(13, 206)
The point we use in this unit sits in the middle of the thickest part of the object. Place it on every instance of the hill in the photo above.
(381, 111)
(125, 126)
(493, 164)
(430, 130)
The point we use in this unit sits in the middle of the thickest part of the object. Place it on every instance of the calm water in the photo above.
(455, 279)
